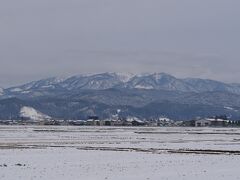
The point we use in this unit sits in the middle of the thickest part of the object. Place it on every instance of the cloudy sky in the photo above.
(42, 38)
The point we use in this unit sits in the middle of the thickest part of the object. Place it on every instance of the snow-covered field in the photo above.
(117, 153)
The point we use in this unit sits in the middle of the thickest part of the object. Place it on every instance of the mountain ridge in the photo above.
(158, 81)
(145, 96)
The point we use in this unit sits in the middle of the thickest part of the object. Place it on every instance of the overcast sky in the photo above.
(42, 38)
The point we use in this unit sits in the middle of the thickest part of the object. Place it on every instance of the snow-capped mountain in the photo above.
(96, 81)
(158, 81)
(150, 81)
(32, 114)
(141, 95)
(84, 81)
(49, 83)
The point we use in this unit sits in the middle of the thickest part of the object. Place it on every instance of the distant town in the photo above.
(217, 121)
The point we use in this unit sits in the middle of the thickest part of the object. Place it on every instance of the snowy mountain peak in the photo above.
(157, 81)
(124, 77)
(107, 80)
(95, 81)
(32, 114)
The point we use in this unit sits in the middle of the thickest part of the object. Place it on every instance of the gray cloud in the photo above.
(63, 37)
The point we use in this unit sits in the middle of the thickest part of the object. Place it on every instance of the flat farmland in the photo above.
(118, 153)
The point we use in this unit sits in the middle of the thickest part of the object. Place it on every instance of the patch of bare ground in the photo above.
(160, 151)
(197, 133)
(130, 149)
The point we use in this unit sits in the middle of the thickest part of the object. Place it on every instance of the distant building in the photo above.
(138, 122)
(118, 123)
(133, 121)
(77, 122)
(93, 122)
(202, 123)
(163, 121)
(99, 122)
(127, 123)
(108, 122)
(211, 122)
(219, 122)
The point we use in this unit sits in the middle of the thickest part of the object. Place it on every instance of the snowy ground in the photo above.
(99, 153)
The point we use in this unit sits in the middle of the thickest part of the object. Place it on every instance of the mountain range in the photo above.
(142, 95)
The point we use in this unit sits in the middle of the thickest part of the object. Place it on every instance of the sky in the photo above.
(187, 38)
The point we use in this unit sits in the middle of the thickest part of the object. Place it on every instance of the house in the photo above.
(213, 122)
(93, 122)
(133, 121)
(109, 122)
(138, 122)
(219, 122)
(127, 123)
(202, 123)
(118, 123)
(163, 121)
(151, 123)
(112, 122)
(77, 122)
(99, 123)
(52, 122)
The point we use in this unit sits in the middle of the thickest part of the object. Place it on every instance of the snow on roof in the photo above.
(213, 119)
